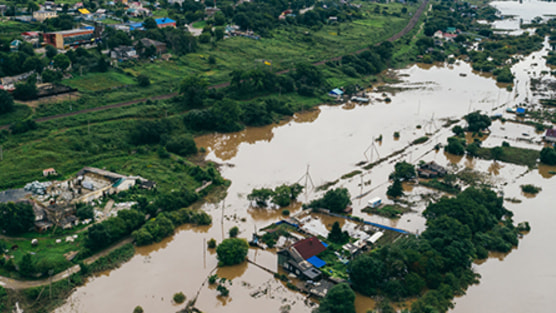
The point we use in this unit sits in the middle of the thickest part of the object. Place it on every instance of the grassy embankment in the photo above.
(48, 297)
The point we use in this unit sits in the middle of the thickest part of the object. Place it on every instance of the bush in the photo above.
(6, 102)
(286, 212)
(143, 80)
(138, 309)
(183, 145)
(548, 156)
(179, 297)
(455, 146)
(530, 189)
(212, 279)
(234, 231)
(335, 200)
(211, 244)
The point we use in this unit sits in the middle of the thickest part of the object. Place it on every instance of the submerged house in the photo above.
(301, 259)
(431, 170)
(550, 135)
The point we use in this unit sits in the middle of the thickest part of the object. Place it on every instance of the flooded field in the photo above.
(321, 146)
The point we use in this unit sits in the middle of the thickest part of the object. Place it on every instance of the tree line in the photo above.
(436, 266)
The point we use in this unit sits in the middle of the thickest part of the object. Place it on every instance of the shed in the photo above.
(316, 261)
(375, 237)
(49, 171)
(336, 92)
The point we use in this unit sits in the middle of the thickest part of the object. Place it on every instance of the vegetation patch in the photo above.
(532, 189)
(388, 210)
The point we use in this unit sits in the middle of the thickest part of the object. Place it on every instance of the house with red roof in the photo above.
(301, 259)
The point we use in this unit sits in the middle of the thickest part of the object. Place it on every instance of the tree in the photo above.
(149, 23)
(84, 211)
(219, 33)
(335, 200)
(25, 91)
(49, 76)
(133, 219)
(336, 235)
(179, 297)
(367, 272)
(403, 171)
(395, 190)
(194, 90)
(458, 131)
(282, 196)
(51, 51)
(339, 299)
(142, 237)
(16, 218)
(61, 62)
(183, 145)
(33, 63)
(477, 121)
(26, 265)
(455, 146)
(6, 102)
(260, 196)
(232, 251)
(234, 231)
(496, 153)
(548, 156)
(138, 309)
(97, 237)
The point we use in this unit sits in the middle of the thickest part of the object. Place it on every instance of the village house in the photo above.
(49, 171)
(165, 22)
(301, 259)
(159, 46)
(431, 170)
(123, 53)
(550, 135)
(42, 15)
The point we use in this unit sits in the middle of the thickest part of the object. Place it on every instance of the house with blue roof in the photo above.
(165, 22)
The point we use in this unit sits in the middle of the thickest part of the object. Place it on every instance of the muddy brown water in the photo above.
(331, 141)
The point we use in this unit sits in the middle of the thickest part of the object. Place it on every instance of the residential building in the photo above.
(49, 171)
(14, 45)
(42, 15)
(123, 53)
(431, 170)
(159, 46)
(65, 38)
(165, 22)
(550, 135)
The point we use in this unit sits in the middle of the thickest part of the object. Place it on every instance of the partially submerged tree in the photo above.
(232, 251)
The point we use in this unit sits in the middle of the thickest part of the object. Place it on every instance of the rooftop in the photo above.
(309, 247)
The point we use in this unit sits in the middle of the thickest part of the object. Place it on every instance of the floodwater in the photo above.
(320, 146)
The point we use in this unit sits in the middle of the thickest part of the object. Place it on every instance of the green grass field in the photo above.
(100, 81)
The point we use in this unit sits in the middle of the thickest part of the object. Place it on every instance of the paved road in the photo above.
(412, 22)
